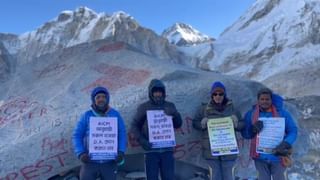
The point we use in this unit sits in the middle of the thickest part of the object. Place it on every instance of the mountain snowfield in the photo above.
(46, 76)
(272, 38)
(182, 34)
(84, 25)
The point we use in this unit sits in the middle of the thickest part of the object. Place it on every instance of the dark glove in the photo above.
(146, 145)
(85, 158)
(120, 158)
(283, 149)
(257, 127)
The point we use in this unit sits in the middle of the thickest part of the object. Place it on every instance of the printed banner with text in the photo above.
(103, 138)
(271, 135)
(161, 132)
(222, 136)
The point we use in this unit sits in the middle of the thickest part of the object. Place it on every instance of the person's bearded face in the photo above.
(100, 100)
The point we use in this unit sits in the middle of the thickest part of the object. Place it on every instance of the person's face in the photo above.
(218, 97)
(157, 94)
(265, 101)
(100, 99)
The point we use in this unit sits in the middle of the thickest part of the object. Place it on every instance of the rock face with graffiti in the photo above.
(42, 100)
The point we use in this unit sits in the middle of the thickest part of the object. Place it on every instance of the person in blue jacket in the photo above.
(92, 169)
(270, 164)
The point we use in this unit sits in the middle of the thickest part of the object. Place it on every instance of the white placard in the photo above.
(103, 138)
(160, 127)
(222, 136)
(271, 135)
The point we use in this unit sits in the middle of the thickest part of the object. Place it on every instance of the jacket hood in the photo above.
(98, 90)
(156, 83)
(277, 101)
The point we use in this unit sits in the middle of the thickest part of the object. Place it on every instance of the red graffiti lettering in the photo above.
(133, 142)
(179, 152)
(28, 172)
(39, 168)
(41, 165)
(59, 158)
(53, 145)
(116, 77)
(43, 111)
(20, 109)
(11, 176)
(194, 145)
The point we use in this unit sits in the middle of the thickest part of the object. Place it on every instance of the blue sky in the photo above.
(210, 17)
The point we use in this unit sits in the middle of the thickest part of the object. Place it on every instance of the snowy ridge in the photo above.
(272, 37)
(279, 36)
(70, 28)
(182, 34)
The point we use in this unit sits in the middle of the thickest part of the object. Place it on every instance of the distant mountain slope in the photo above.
(272, 37)
(182, 34)
(84, 25)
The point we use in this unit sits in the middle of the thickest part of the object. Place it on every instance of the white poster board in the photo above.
(222, 136)
(103, 138)
(271, 135)
(160, 127)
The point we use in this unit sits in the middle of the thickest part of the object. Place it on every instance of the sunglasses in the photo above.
(218, 94)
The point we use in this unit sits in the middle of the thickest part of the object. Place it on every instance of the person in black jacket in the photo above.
(156, 158)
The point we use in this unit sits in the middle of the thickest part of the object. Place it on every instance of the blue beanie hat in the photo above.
(98, 90)
(218, 84)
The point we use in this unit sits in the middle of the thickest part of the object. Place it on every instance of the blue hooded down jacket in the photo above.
(290, 126)
(81, 132)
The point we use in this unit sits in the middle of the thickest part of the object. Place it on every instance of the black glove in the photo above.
(120, 158)
(283, 149)
(84, 157)
(257, 127)
(146, 145)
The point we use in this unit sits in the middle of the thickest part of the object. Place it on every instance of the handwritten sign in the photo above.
(271, 135)
(161, 132)
(103, 138)
(222, 136)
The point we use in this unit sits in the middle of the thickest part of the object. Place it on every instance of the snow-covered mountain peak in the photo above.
(271, 38)
(70, 28)
(182, 34)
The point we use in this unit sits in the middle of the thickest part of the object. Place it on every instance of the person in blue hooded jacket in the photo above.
(156, 159)
(92, 169)
(219, 106)
(270, 164)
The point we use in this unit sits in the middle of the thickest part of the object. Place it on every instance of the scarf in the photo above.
(255, 118)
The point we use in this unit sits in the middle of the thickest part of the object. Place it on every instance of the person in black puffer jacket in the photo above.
(156, 158)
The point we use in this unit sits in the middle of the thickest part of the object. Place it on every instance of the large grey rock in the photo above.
(47, 96)
(307, 149)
